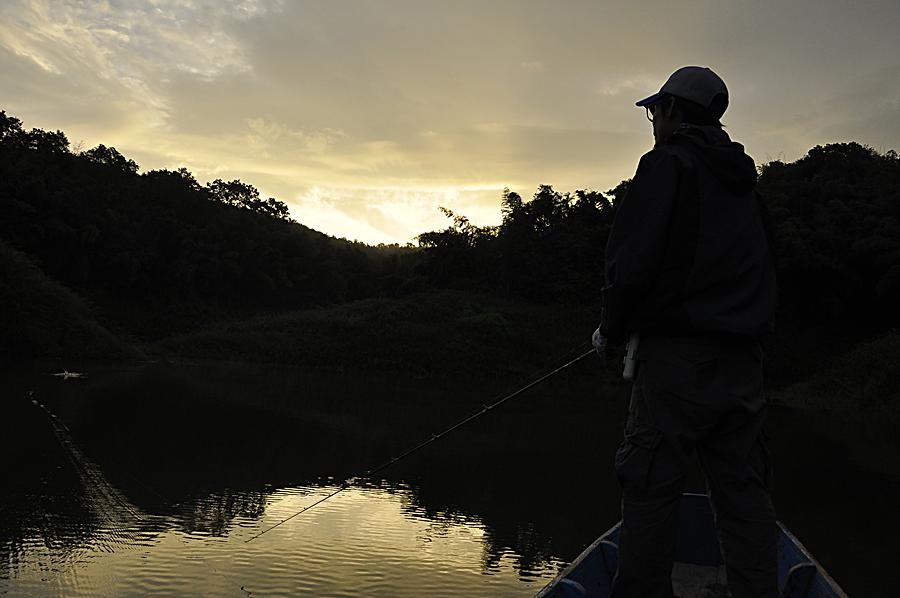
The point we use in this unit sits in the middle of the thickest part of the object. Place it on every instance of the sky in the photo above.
(366, 116)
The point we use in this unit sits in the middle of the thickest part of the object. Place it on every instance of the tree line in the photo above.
(836, 214)
(159, 253)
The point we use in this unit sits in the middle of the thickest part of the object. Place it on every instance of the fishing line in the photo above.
(484, 409)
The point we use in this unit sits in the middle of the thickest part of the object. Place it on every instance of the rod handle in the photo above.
(630, 360)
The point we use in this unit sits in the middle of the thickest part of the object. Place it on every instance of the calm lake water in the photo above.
(148, 480)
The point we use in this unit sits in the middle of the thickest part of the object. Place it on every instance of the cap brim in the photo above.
(649, 100)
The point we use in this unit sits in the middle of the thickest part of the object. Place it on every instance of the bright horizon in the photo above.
(364, 117)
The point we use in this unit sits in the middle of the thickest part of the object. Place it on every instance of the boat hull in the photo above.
(699, 569)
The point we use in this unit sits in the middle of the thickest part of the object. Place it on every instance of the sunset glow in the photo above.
(364, 117)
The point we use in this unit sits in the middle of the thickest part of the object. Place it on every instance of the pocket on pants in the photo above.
(764, 456)
(635, 457)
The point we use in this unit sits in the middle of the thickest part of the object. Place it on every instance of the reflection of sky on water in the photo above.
(210, 455)
(365, 541)
(155, 494)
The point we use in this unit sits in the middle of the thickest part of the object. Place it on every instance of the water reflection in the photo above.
(172, 468)
(399, 550)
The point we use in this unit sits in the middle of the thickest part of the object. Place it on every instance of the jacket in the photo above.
(689, 250)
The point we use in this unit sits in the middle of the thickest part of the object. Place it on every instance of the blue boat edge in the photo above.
(819, 582)
(590, 575)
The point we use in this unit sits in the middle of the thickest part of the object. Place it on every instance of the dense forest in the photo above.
(837, 217)
(156, 254)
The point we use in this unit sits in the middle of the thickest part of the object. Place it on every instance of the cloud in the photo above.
(642, 85)
(387, 215)
(264, 136)
(120, 53)
(532, 65)
(389, 108)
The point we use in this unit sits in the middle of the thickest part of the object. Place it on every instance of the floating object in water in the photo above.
(699, 570)
(65, 375)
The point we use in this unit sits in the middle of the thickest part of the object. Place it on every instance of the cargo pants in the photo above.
(698, 395)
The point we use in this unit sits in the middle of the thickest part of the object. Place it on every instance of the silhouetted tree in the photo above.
(111, 157)
(158, 252)
(837, 212)
(242, 195)
(548, 249)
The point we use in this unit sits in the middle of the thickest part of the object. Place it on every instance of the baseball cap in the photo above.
(696, 84)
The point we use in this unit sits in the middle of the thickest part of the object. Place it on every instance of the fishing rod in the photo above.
(484, 409)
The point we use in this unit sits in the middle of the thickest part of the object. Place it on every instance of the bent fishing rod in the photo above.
(484, 409)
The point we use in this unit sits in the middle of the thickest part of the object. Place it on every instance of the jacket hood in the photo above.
(724, 157)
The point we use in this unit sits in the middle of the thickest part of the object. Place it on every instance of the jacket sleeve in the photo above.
(634, 250)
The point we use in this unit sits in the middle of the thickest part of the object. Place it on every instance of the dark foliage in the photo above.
(549, 249)
(157, 252)
(837, 213)
(40, 318)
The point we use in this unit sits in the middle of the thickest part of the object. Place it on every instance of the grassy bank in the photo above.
(426, 334)
(860, 381)
(432, 333)
(43, 319)
(451, 333)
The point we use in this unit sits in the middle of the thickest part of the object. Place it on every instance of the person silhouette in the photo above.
(690, 273)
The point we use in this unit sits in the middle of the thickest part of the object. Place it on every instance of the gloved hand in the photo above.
(599, 342)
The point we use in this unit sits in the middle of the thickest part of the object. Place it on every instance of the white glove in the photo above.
(599, 342)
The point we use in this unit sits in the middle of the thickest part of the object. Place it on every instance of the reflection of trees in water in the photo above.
(44, 519)
(60, 500)
(535, 477)
(534, 550)
(56, 498)
(534, 539)
(196, 449)
(213, 513)
(184, 445)
(38, 497)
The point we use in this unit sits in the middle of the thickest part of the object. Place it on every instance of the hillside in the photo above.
(432, 333)
(43, 319)
(158, 253)
(98, 251)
